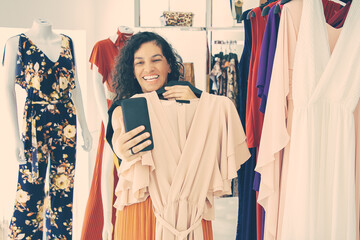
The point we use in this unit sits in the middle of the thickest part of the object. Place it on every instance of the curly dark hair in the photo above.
(124, 82)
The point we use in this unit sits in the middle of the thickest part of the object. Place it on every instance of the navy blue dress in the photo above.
(246, 227)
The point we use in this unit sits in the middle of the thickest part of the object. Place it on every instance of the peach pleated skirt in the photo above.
(137, 222)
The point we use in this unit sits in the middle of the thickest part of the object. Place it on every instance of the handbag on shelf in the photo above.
(178, 18)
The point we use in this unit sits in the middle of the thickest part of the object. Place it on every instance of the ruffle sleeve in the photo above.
(98, 57)
(134, 176)
(233, 152)
(275, 136)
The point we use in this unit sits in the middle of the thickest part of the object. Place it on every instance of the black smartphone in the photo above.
(135, 114)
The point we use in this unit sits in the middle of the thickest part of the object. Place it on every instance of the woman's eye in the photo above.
(139, 63)
(157, 60)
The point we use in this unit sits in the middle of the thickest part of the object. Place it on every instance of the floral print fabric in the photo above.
(49, 136)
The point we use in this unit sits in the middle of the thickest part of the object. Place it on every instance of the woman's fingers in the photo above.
(179, 92)
(136, 140)
(131, 134)
(128, 141)
(141, 146)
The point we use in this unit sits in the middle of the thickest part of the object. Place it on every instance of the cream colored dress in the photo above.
(198, 147)
(275, 142)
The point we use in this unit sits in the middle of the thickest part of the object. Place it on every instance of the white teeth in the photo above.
(151, 78)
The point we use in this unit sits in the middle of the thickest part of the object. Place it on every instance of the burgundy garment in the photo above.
(330, 8)
(338, 17)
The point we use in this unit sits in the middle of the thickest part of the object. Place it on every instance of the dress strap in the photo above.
(179, 234)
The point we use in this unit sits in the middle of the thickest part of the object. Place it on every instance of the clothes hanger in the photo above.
(195, 90)
(265, 11)
(243, 15)
(250, 14)
(284, 1)
(263, 5)
(277, 9)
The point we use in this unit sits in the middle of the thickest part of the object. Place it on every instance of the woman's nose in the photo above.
(149, 67)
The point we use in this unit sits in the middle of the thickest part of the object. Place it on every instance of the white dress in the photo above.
(320, 191)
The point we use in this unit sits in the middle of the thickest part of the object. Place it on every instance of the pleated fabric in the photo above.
(142, 227)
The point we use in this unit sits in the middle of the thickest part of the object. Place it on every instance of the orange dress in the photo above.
(103, 56)
(127, 227)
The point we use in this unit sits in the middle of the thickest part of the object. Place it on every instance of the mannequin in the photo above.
(122, 29)
(42, 35)
(104, 177)
(51, 46)
(108, 166)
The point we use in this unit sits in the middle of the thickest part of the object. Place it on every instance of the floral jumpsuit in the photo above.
(49, 136)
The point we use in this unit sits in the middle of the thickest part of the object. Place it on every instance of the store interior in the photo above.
(232, 48)
(87, 22)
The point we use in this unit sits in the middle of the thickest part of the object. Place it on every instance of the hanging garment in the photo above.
(49, 137)
(274, 147)
(232, 79)
(143, 225)
(246, 226)
(223, 77)
(271, 163)
(332, 12)
(244, 66)
(337, 18)
(177, 176)
(274, 131)
(103, 56)
(267, 54)
(128, 227)
(322, 151)
(214, 75)
(254, 118)
(330, 7)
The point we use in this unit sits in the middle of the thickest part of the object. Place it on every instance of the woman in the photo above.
(146, 63)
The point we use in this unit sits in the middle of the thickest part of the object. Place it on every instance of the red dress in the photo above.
(103, 56)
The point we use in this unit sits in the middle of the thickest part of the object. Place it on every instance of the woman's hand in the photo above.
(179, 92)
(126, 142)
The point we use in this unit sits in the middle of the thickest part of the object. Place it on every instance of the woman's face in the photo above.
(150, 67)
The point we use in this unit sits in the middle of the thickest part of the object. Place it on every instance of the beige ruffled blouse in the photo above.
(198, 147)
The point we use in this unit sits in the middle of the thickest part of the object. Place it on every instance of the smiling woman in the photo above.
(146, 50)
(146, 63)
(150, 67)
